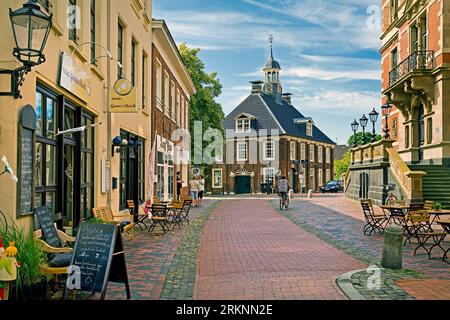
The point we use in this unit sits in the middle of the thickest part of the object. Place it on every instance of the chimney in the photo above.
(287, 98)
(256, 86)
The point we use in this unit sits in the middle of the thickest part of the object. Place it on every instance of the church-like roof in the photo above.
(272, 115)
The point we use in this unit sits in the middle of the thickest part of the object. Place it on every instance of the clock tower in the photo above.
(272, 85)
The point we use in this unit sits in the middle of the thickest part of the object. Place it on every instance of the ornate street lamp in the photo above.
(355, 126)
(373, 118)
(31, 28)
(386, 108)
(363, 122)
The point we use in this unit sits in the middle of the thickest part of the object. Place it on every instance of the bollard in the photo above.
(392, 256)
(310, 194)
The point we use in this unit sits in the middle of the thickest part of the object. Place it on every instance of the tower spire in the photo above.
(271, 45)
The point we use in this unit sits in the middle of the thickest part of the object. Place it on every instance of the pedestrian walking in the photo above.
(179, 185)
(193, 185)
(201, 189)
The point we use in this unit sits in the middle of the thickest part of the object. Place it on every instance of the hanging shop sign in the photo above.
(75, 77)
(123, 97)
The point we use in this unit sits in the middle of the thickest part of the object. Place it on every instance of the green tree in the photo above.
(341, 166)
(359, 136)
(203, 106)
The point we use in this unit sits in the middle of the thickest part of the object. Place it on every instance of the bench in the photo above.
(125, 221)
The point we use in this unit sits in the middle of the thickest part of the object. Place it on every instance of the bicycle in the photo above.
(284, 200)
(391, 196)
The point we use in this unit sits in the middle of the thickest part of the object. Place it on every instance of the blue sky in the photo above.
(328, 51)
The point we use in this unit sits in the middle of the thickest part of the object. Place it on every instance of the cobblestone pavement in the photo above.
(250, 251)
(149, 257)
(339, 221)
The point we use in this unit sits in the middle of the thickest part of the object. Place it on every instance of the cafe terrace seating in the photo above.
(374, 222)
(125, 221)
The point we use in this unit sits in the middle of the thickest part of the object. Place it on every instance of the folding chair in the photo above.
(139, 218)
(374, 223)
(423, 232)
(184, 211)
(159, 217)
(428, 205)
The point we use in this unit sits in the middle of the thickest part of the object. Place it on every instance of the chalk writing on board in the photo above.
(26, 172)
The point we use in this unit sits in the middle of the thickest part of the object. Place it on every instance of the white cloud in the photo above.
(338, 101)
(322, 74)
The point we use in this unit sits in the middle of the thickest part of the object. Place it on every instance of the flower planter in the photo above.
(37, 291)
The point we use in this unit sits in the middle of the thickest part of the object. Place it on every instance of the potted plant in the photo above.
(30, 284)
(437, 206)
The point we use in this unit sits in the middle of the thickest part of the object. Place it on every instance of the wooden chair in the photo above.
(159, 217)
(45, 268)
(428, 205)
(140, 217)
(422, 231)
(374, 223)
(125, 221)
(184, 211)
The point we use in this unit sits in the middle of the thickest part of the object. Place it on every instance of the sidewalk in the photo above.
(339, 220)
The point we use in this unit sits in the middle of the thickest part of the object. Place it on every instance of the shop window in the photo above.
(269, 175)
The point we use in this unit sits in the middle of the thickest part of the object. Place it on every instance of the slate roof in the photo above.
(271, 115)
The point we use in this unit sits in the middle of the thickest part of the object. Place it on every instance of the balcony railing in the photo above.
(419, 60)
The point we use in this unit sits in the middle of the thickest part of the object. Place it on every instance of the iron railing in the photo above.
(419, 60)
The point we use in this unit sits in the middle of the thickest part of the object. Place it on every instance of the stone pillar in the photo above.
(392, 256)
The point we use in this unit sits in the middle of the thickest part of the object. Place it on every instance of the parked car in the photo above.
(331, 186)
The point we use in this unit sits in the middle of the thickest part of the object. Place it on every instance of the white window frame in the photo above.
(303, 151)
(293, 150)
(328, 175)
(241, 124)
(271, 174)
(320, 177)
(166, 94)
(158, 85)
(238, 151)
(217, 186)
(173, 113)
(320, 154)
(309, 129)
(312, 178)
(266, 144)
(312, 153)
(328, 155)
(178, 115)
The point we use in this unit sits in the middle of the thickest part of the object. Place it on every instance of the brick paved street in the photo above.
(340, 221)
(250, 251)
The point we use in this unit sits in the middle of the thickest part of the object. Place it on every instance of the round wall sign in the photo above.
(123, 87)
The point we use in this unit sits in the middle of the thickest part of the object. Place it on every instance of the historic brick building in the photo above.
(267, 137)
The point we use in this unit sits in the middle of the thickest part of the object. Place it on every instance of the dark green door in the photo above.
(243, 185)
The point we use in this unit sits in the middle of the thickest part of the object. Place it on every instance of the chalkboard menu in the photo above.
(44, 216)
(27, 130)
(98, 253)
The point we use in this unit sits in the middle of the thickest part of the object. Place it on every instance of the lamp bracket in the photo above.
(17, 79)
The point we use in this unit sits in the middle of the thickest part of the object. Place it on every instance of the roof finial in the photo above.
(271, 45)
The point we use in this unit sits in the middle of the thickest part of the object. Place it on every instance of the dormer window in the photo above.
(244, 123)
(309, 129)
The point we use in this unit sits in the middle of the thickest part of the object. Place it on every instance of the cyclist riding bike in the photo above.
(283, 188)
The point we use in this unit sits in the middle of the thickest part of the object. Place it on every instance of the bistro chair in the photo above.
(374, 223)
(422, 231)
(124, 221)
(428, 205)
(138, 217)
(159, 217)
(184, 211)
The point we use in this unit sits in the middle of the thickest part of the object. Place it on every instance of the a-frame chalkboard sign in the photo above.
(98, 258)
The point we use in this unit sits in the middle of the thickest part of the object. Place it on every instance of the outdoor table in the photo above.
(398, 213)
(446, 226)
(438, 213)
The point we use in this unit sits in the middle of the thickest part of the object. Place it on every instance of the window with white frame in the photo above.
(269, 150)
(217, 178)
(178, 114)
(312, 152)
(166, 94)
(319, 153)
(328, 175)
(243, 124)
(158, 85)
(269, 175)
(182, 111)
(242, 151)
(172, 101)
(328, 155)
(293, 150)
(303, 151)
(186, 114)
(309, 129)
(320, 177)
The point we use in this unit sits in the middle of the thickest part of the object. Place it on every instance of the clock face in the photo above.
(268, 88)
(123, 87)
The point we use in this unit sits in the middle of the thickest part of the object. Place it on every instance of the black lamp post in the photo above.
(373, 118)
(355, 126)
(31, 28)
(386, 108)
(363, 122)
